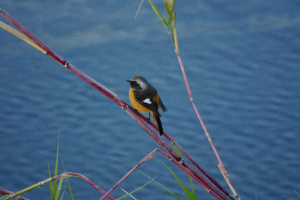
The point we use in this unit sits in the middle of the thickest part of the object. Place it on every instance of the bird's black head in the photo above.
(134, 85)
(138, 82)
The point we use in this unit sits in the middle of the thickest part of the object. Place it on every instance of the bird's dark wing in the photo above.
(153, 94)
(146, 100)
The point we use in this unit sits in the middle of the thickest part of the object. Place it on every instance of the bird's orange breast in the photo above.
(136, 104)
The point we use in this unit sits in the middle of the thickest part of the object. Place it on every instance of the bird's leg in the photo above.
(149, 117)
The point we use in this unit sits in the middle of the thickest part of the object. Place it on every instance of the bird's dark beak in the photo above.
(128, 81)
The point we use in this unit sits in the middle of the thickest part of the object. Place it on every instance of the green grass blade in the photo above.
(70, 189)
(56, 167)
(192, 186)
(165, 22)
(58, 189)
(179, 153)
(56, 162)
(51, 185)
(188, 193)
(177, 150)
(173, 10)
(169, 8)
(4, 197)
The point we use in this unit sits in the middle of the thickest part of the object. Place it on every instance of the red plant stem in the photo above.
(96, 85)
(201, 121)
(6, 192)
(149, 156)
(132, 112)
(68, 174)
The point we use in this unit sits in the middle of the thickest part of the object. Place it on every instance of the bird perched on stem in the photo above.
(145, 98)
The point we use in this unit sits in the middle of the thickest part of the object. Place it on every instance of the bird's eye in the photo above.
(134, 83)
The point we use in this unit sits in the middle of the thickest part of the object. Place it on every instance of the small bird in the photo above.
(145, 98)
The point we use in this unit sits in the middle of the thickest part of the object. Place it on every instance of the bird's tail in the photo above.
(158, 122)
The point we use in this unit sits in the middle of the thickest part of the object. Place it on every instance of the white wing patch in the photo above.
(148, 101)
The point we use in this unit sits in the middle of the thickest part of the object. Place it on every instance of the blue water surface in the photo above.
(242, 62)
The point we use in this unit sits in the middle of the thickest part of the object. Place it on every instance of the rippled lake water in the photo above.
(242, 62)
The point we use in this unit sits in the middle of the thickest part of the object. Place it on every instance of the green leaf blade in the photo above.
(188, 193)
(5, 197)
(58, 189)
(165, 22)
(70, 189)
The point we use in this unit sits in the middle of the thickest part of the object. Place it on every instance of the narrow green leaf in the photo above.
(192, 186)
(165, 22)
(70, 189)
(4, 197)
(58, 189)
(188, 193)
(177, 150)
(56, 163)
(173, 10)
(56, 167)
(52, 191)
(169, 8)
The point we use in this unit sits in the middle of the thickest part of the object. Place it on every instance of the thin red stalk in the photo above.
(96, 85)
(68, 174)
(113, 97)
(200, 119)
(149, 156)
(6, 192)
